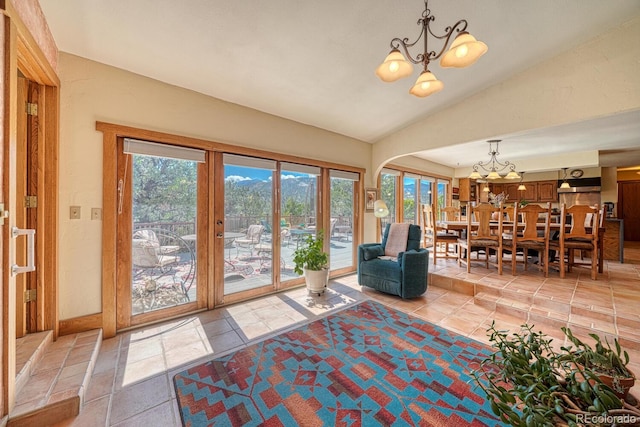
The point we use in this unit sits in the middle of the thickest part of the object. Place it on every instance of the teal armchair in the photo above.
(405, 276)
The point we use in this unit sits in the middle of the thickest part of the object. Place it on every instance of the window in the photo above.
(342, 191)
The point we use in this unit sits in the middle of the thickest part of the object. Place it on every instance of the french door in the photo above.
(197, 227)
(248, 237)
(159, 232)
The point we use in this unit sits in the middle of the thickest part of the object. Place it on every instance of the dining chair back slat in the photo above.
(433, 237)
(481, 234)
(529, 237)
(580, 234)
(451, 213)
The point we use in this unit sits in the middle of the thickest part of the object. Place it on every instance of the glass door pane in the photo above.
(342, 209)
(426, 191)
(443, 189)
(410, 186)
(299, 192)
(248, 224)
(164, 203)
(388, 193)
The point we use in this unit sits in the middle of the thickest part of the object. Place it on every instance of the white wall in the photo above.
(93, 92)
(596, 79)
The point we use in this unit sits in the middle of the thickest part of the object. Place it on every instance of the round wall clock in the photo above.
(577, 173)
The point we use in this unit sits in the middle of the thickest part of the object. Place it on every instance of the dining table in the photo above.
(459, 226)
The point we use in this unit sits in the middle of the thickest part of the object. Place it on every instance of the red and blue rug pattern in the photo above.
(366, 365)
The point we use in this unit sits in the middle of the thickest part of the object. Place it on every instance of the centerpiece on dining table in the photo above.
(496, 200)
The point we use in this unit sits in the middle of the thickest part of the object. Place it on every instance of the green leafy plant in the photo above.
(602, 360)
(311, 254)
(528, 383)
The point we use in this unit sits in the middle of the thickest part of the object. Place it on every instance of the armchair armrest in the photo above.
(415, 267)
(366, 252)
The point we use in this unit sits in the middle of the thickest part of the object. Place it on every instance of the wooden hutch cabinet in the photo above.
(467, 190)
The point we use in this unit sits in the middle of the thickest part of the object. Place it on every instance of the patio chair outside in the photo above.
(252, 238)
(163, 269)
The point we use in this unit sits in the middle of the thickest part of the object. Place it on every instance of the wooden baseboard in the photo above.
(80, 324)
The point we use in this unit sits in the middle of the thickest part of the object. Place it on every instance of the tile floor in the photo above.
(132, 380)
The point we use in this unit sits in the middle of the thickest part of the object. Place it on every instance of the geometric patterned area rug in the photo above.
(363, 366)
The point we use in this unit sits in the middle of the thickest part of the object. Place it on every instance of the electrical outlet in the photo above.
(96, 214)
(74, 212)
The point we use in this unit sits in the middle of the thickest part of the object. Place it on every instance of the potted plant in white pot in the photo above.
(311, 260)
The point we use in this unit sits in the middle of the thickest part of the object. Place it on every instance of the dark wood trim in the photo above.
(184, 141)
(109, 236)
(48, 193)
(8, 346)
(81, 324)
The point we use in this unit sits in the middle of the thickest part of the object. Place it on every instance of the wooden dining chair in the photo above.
(438, 239)
(581, 233)
(510, 213)
(482, 233)
(451, 213)
(529, 237)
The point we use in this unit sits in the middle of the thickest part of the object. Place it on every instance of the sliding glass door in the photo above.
(410, 187)
(341, 228)
(299, 211)
(248, 223)
(188, 226)
(158, 203)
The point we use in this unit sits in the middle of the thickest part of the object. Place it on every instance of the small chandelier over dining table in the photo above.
(464, 51)
(494, 166)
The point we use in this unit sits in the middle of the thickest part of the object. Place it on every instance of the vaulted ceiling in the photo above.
(314, 62)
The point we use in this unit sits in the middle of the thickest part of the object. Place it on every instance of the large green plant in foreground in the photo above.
(529, 383)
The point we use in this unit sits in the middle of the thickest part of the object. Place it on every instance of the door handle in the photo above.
(31, 250)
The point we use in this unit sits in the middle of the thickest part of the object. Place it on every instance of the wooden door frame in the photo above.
(22, 52)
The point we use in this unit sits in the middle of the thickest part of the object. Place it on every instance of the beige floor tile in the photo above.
(138, 398)
(134, 372)
(144, 393)
(161, 415)
(101, 385)
(94, 413)
(143, 349)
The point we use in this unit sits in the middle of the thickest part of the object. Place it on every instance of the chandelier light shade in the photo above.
(426, 85)
(394, 67)
(464, 51)
(493, 166)
(521, 187)
(380, 209)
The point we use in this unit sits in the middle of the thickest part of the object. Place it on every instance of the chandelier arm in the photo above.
(458, 27)
(397, 43)
(491, 165)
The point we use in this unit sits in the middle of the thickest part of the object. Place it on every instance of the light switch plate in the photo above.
(96, 213)
(74, 212)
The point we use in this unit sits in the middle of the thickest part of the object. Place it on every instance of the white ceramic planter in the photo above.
(316, 280)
